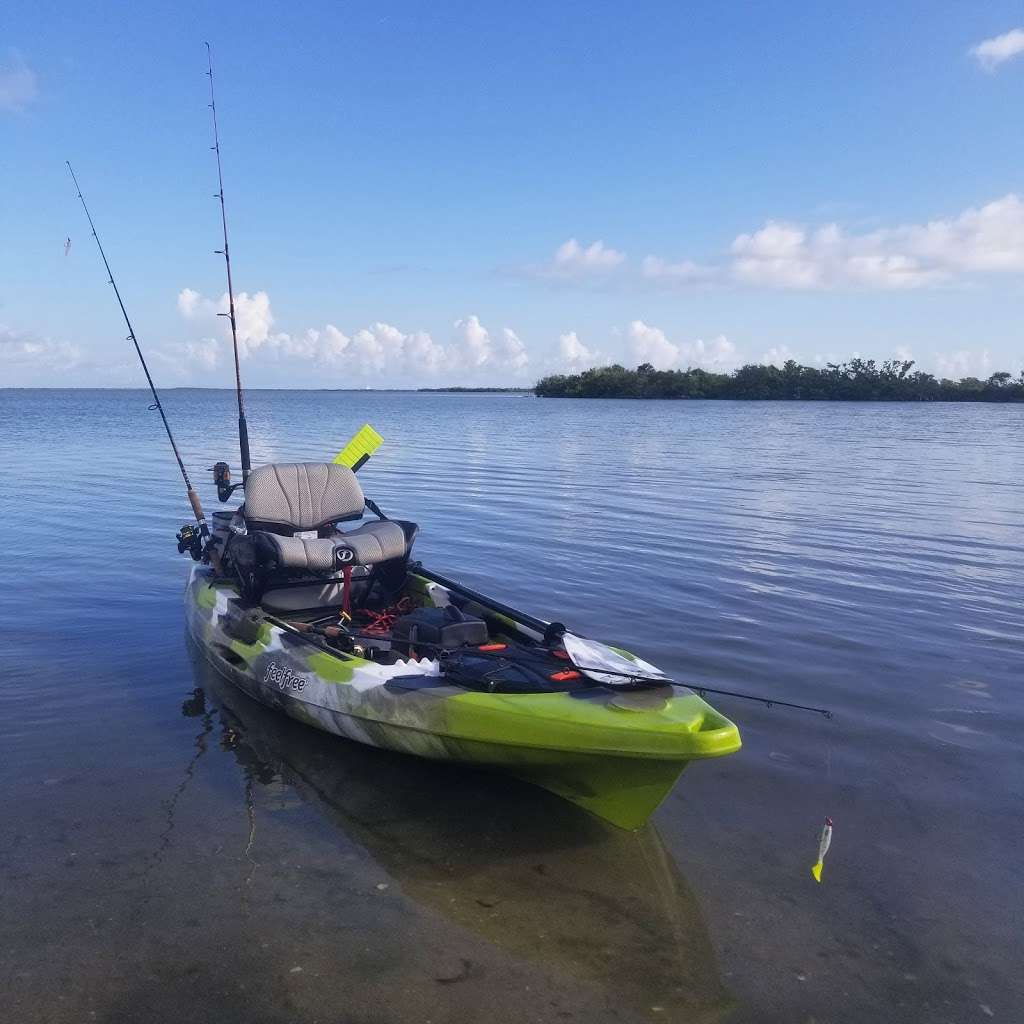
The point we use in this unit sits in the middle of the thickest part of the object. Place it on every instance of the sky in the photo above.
(424, 194)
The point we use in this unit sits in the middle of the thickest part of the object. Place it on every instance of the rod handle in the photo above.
(197, 507)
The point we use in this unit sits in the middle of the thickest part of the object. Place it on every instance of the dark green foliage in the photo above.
(859, 380)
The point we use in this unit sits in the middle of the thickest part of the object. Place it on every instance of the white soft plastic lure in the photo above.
(824, 843)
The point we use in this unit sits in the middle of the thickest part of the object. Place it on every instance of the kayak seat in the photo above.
(285, 497)
(291, 512)
(370, 544)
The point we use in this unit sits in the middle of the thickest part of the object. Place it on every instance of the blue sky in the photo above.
(484, 193)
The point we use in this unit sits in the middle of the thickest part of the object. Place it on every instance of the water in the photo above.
(170, 851)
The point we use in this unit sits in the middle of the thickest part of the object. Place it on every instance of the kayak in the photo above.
(341, 630)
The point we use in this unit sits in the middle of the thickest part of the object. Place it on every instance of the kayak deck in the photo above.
(614, 753)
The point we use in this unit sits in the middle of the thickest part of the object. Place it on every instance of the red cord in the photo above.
(382, 622)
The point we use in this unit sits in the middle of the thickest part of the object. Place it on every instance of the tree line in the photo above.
(894, 380)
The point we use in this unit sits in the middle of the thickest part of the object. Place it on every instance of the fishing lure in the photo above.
(823, 844)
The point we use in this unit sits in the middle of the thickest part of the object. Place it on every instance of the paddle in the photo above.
(365, 441)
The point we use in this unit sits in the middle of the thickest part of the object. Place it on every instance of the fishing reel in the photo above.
(222, 478)
(190, 539)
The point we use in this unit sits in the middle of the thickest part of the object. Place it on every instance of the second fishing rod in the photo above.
(187, 539)
(243, 428)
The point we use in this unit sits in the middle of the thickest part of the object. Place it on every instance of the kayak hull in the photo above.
(616, 755)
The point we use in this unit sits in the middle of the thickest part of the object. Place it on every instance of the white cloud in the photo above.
(18, 84)
(964, 363)
(778, 355)
(651, 345)
(573, 261)
(20, 349)
(511, 350)
(574, 354)
(206, 353)
(378, 350)
(782, 255)
(253, 316)
(685, 272)
(472, 341)
(573, 258)
(790, 256)
(189, 303)
(383, 349)
(990, 53)
(987, 239)
(474, 347)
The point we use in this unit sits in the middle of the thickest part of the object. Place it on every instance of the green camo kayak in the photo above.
(615, 752)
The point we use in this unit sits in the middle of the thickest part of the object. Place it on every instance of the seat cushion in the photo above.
(369, 544)
(302, 495)
(375, 542)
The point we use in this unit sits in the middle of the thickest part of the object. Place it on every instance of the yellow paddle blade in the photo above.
(816, 871)
(364, 443)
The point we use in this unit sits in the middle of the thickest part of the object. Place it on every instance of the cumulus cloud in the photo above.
(18, 84)
(964, 363)
(205, 353)
(986, 239)
(253, 316)
(685, 272)
(189, 303)
(573, 261)
(378, 350)
(782, 255)
(26, 350)
(473, 347)
(511, 350)
(596, 258)
(990, 53)
(789, 256)
(651, 345)
(778, 355)
(574, 355)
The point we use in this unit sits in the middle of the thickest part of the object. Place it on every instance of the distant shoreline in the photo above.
(855, 381)
(858, 380)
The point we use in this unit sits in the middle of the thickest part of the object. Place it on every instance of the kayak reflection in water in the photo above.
(528, 873)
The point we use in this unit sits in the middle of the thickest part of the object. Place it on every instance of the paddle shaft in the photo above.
(495, 606)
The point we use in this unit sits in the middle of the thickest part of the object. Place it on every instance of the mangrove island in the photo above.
(859, 380)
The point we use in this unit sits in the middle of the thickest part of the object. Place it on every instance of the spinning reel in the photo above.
(222, 478)
(190, 539)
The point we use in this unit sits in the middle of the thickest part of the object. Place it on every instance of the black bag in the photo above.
(436, 629)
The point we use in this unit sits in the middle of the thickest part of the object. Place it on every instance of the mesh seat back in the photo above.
(302, 495)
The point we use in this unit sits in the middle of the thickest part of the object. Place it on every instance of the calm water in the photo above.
(171, 852)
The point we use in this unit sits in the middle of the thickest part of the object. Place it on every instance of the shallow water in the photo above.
(170, 851)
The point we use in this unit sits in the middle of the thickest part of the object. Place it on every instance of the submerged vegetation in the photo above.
(894, 380)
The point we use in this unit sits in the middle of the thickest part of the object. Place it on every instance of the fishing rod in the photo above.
(335, 632)
(193, 498)
(639, 677)
(701, 690)
(551, 631)
(243, 429)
